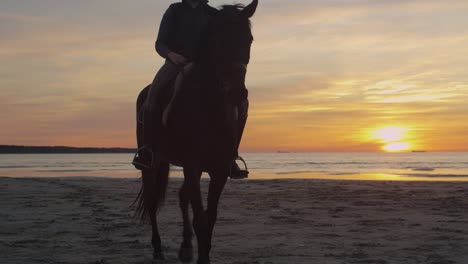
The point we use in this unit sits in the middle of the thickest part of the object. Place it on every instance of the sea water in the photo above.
(375, 166)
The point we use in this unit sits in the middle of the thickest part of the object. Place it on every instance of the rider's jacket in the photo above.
(181, 29)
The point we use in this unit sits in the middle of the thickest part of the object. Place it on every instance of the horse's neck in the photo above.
(206, 72)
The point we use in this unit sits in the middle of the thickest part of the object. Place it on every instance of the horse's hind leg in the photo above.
(186, 248)
(151, 207)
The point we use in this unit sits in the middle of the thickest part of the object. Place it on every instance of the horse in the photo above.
(200, 136)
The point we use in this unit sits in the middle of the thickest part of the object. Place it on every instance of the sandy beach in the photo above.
(89, 220)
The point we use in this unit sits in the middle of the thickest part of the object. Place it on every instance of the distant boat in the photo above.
(282, 151)
(418, 151)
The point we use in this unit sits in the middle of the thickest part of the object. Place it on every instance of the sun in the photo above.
(393, 138)
(390, 134)
(397, 146)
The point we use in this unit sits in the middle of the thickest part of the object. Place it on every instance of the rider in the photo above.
(178, 42)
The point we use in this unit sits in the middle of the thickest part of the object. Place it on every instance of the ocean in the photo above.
(432, 166)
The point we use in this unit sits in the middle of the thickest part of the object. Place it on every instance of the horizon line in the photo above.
(280, 151)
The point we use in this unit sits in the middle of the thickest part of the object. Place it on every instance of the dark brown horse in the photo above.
(201, 135)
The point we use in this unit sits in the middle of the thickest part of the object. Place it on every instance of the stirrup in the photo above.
(140, 165)
(243, 161)
(240, 174)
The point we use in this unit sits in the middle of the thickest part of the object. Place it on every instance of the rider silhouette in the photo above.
(178, 41)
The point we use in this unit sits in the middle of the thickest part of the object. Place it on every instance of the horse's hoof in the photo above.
(186, 254)
(158, 255)
(203, 262)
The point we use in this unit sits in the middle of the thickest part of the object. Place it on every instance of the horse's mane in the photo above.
(231, 8)
(231, 12)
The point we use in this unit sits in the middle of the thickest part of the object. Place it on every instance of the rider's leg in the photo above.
(151, 112)
(183, 73)
(165, 75)
(243, 108)
(139, 104)
(243, 114)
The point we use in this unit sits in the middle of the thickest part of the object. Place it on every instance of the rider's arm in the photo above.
(162, 41)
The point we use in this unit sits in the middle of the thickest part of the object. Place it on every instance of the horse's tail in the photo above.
(153, 191)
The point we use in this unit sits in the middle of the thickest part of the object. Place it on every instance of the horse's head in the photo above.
(229, 42)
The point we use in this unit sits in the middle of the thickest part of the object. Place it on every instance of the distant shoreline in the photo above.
(13, 149)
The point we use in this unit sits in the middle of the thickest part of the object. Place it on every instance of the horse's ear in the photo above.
(249, 10)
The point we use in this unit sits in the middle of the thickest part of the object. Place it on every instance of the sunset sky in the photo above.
(325, 75)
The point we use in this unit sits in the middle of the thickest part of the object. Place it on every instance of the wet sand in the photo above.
(89, 220)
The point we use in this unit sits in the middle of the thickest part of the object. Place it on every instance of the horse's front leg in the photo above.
(186, 248)
(156, 239)
(200, 224)
(217, 183)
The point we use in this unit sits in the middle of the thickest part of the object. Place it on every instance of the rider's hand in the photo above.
(177, 59)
